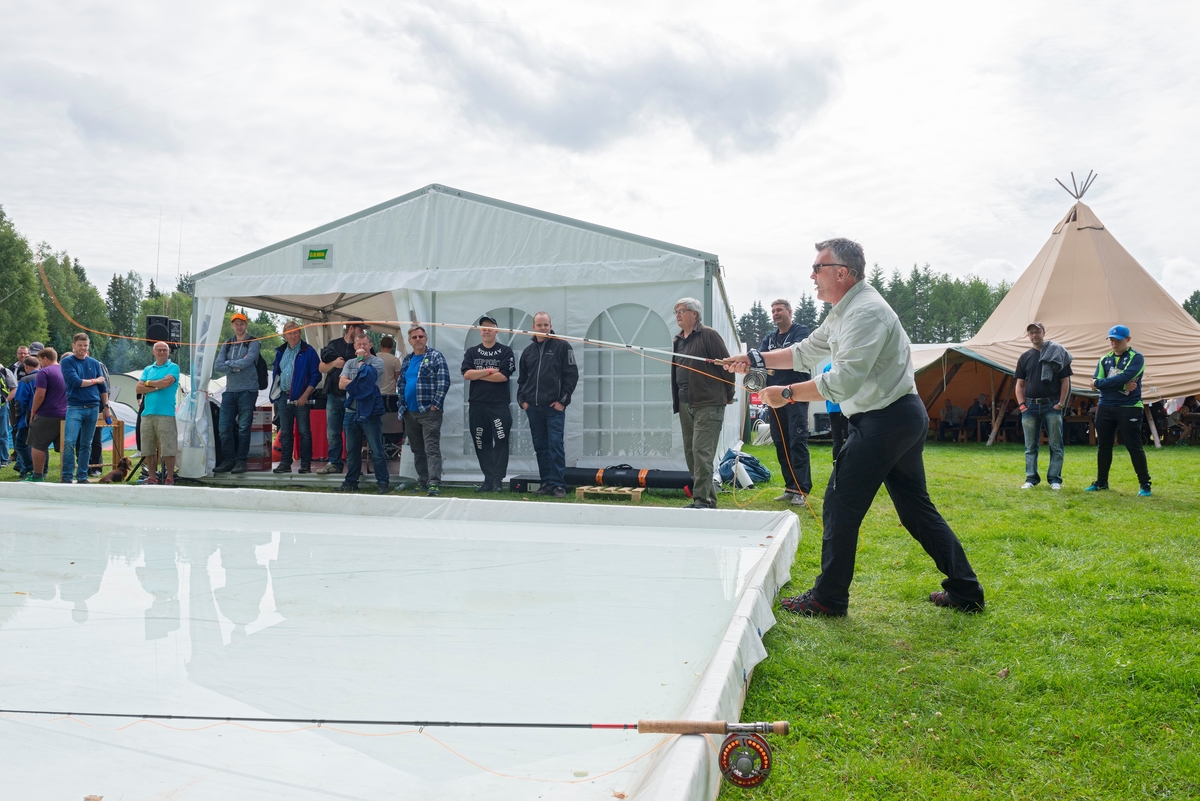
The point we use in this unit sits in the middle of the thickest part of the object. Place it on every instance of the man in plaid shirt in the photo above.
(421, 388)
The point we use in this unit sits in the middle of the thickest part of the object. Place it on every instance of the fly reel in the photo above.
(755, 380)
(745, 760)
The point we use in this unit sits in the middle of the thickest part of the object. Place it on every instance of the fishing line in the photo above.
(641, 350)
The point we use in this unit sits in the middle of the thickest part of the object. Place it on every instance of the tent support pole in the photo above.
(1153, 429)
(937, 391)
(998, 411)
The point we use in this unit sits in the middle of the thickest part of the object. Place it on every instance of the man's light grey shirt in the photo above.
(871, 357)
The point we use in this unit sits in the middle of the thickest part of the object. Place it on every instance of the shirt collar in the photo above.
(850, 295)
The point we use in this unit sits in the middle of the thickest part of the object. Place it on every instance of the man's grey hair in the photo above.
(691, 304)
(291, 324)
(847, 252)
(782, 302)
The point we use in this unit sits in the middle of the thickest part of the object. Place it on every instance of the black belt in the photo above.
(1051, 401)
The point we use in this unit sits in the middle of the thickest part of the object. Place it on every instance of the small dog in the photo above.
(121, 472)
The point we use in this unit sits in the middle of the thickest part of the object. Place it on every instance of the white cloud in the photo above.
(1180, 276)
(749, 130)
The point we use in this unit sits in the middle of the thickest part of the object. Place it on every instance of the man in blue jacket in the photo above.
(87, 397)
(294, 378)
(363, 418)
(1119, 379)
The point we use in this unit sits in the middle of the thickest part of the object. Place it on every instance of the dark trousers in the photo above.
(21, 446)
(1129, 420)
(490, 426)
(789, 430)
(839, 428)
(335, 410)
(290, 414)
(371, 430)
(884, 447)
(424, 433)
(237, 411)
(546, 427)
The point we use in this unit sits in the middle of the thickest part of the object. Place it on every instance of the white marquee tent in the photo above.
(440, 255)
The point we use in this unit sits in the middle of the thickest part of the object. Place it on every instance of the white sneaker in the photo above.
(798, 500)
(1056, 486)
(1028, 485)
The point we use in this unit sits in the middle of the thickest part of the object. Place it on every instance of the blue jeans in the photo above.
(21, 446)
(80, 425)
(1031, 423)
(546, 426)
(372, 430)
(335, 410)
(5, 448)
(236, 407)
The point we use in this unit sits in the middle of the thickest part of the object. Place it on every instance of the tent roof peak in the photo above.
(482, 199)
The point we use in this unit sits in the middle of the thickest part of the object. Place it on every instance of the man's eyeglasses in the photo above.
(817, 267)
(416, 336)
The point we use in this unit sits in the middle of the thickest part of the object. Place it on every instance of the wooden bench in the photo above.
(633, 493)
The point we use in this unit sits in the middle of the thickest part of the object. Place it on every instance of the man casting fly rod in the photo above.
(871, 376)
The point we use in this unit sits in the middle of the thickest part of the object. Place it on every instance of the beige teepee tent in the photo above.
(1080, 284)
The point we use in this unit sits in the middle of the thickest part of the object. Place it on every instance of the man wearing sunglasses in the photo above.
(871, 377)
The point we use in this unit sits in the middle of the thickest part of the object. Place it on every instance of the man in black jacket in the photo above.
(548, 377)
(789, 424)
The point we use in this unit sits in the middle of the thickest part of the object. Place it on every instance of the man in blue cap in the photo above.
(1119, 379)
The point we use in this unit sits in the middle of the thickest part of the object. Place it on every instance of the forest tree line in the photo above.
(115, 319)
(932, 307)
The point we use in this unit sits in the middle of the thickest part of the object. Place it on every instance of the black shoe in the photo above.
(282, 468)
(560, 492)
(383, 489)
(304, 469)
(544, 489)
(805, 604)
(240, 467)
(942, 598)
(346, 488)
(224, 467)
(483, 488)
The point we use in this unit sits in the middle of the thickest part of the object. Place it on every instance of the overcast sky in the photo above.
(928, 132)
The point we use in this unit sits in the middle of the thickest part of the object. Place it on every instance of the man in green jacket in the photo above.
(699, 392)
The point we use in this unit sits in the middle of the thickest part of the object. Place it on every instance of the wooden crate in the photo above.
(633, 493)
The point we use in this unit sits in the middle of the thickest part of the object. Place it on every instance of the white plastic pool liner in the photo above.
(259, 603)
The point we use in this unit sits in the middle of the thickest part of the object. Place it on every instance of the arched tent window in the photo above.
(626, 396)
(520, 442)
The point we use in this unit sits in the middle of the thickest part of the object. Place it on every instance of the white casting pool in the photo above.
(260, 603)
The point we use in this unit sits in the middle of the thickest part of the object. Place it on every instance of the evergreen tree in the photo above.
(876, 278)
(805, 313)
(754, 325)
(153, 292)
(79, 299)
(22, 316)
(825, 309)
(125, 304)
(1192, 305)
(186, 285)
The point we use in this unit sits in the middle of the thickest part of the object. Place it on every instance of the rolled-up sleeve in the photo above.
(860, 341)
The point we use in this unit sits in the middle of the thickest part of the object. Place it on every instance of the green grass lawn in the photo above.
(1081, 680)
